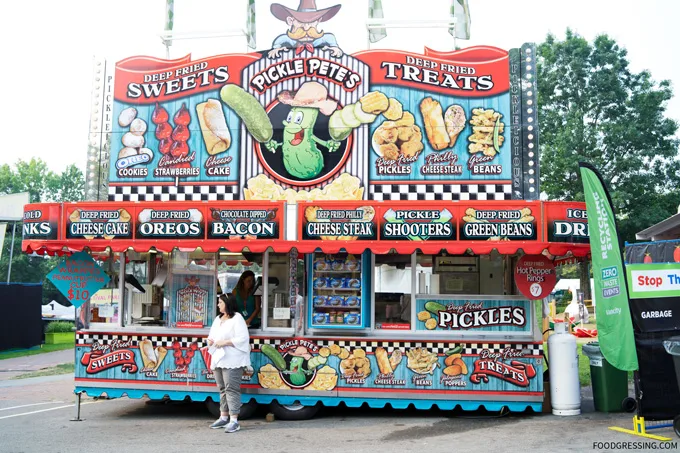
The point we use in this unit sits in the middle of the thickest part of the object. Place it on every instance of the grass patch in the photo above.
(36, 350)
(64, 368)
(583, 367)
(583, 362)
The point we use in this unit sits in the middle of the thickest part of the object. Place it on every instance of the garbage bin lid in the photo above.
(592, 349)
(672, 345)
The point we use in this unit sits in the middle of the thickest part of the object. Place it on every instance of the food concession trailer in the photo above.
(386, 201)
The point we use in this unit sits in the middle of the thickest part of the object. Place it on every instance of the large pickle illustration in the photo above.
(301, 155)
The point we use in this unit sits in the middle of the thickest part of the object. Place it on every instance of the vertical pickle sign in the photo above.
(614, 324)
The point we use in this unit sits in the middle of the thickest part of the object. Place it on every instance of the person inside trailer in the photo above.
(249, 305)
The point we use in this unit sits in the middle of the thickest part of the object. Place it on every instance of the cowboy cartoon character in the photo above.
(301, 156)
(304, 30)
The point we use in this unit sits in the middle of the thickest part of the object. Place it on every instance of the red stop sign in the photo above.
(535, 276)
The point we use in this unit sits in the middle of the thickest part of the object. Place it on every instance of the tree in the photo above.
(42, 185)
(568, 271)
(594, 108)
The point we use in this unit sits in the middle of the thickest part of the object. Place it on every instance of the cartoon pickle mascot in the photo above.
(304, 33)
(301, 156)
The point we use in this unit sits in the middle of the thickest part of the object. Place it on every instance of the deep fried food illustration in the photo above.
(421, 361)
(389, 151)
(398, 138)
(214, 126)
(383, 361)
(394, 111)
(454, 118)
(433, 118)
(374, 102)
(487, 132)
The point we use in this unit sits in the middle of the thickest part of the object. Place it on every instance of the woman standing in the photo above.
(229, 343)
(248, 304)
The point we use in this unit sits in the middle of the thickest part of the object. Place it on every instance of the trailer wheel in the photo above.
(676, 425)
(629, 404)
(293, 411)
(247, 410)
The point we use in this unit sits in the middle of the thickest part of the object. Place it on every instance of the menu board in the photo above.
(333, 221)
(321, 124)
(409, 221)
(565, 222)
(176, 223)
(97, 222)
(475, 316)
(41, 221)
(500, 222)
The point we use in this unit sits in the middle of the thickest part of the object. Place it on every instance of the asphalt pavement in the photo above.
(36, 413)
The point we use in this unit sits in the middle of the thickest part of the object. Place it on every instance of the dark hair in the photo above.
(240, 285)
(229, 304)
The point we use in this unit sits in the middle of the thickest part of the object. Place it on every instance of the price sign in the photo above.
(535, 276)
(78, 277)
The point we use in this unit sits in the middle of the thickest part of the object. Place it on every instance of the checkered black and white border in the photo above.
(173, 193)
(530, 349)
(437, 347)
(436, 192)
(83, 339)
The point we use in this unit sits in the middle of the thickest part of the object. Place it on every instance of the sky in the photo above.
(49, 48)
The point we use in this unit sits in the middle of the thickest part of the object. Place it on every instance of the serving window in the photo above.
(441, 293)
(191, 287)
(395, 286)
(285, 274)
(144, 288)
(465, 274)
(104, 305)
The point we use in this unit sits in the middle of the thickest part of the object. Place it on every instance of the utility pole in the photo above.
(11, 251)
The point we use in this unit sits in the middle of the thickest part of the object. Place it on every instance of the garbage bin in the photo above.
(672, 346)
(610, 385)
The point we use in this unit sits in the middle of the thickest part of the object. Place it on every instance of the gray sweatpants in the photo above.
(229, 383)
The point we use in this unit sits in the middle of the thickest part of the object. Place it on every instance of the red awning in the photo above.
(460, 248)
(476, 227)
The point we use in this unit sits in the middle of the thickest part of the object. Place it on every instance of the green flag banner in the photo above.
(614, 324)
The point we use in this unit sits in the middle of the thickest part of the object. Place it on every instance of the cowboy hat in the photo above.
(310, 94)
(306, 12)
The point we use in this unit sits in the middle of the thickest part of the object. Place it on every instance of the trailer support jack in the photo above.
(77, 407)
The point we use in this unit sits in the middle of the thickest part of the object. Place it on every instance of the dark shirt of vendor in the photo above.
(248, 304)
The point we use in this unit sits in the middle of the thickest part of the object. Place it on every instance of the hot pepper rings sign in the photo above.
(535, 276)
